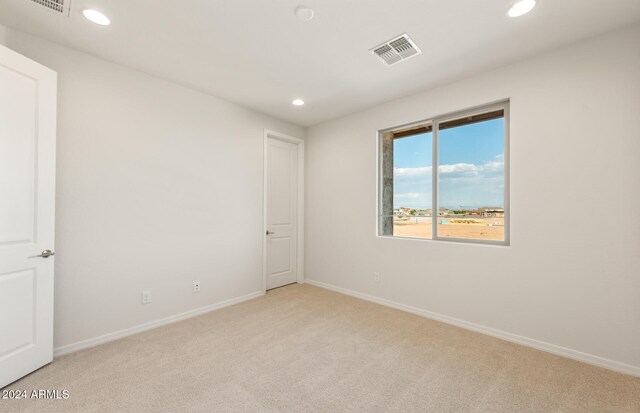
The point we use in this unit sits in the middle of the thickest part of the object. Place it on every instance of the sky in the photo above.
(470, 172)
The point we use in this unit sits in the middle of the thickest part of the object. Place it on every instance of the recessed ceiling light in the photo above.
(304, 13)
(297, 102)
(96, 17)
(521, 8)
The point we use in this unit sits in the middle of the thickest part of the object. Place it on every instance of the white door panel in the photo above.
(282, 213)
(27, 197)
(17, 155)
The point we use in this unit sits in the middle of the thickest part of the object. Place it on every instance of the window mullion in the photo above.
(434, 180)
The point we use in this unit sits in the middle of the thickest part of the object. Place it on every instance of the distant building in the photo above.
(401, 212)
(492, 212)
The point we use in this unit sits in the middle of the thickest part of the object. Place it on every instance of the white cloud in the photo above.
(461, 184)
(493, 166)
(408, 195)
(455, 172)
(459, 170)
(412, 172)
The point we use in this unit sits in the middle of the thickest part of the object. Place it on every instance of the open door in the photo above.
(27, 201)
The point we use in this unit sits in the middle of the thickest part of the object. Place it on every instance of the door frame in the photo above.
(300, 233)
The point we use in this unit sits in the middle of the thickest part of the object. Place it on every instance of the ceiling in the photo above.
(258, 54)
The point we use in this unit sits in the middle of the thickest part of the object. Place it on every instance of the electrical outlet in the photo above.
(146, 297)
(376, 277)
(196, 286)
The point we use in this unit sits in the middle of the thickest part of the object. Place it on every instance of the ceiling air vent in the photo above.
(396, 50)
(55, 5)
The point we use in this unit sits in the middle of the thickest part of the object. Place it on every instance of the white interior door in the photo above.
(282, 213)
(27, 191)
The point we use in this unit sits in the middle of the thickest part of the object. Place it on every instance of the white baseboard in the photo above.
(92, 342)
(514, 338)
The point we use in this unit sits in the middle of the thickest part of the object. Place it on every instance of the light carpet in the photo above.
(304, 349)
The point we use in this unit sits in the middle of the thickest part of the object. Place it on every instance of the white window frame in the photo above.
(435, 121)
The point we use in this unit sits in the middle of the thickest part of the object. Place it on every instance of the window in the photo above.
(466, 197)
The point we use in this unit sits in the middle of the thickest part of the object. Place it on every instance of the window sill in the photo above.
(464, 241)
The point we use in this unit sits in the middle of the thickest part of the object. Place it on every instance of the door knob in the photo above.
(47, 254)
(270, 232)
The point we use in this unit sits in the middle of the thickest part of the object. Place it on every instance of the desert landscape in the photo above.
(491, 228)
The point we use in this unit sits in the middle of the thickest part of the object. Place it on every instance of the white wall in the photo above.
(571, 276)
(157, 186)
